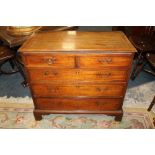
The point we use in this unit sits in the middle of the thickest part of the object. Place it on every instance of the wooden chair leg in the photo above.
(140, 63)
(21, 71)
(137, 70)
(150, 72)
(12, 64)
(152, 104)
(2, 71)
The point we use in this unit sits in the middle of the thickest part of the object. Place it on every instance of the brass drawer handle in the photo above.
(106, 60)
(101, 89)
(53, 73)
(103, 74)
(46, 73)
(50, 61)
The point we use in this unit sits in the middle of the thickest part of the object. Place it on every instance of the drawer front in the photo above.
(105, 61)
(78, 104)
(47, 90)
(49, 61)
(52, 75)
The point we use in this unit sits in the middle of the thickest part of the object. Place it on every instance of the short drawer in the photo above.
(54, 75)
(49, 61)
(78, 104)
(105, 60)
(48, 90)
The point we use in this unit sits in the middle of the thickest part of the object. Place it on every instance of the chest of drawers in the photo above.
(78, 72)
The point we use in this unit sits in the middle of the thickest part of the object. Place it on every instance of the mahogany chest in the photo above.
(78, 72)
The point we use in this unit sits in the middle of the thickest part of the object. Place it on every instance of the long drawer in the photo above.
(48, 90)
(53, 75)
(78, 104)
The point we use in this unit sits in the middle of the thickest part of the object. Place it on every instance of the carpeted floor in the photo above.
(21, 116)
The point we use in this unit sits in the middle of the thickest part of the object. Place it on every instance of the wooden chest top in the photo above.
(70, 41)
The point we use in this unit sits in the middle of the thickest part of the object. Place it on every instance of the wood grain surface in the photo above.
(78, 41)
